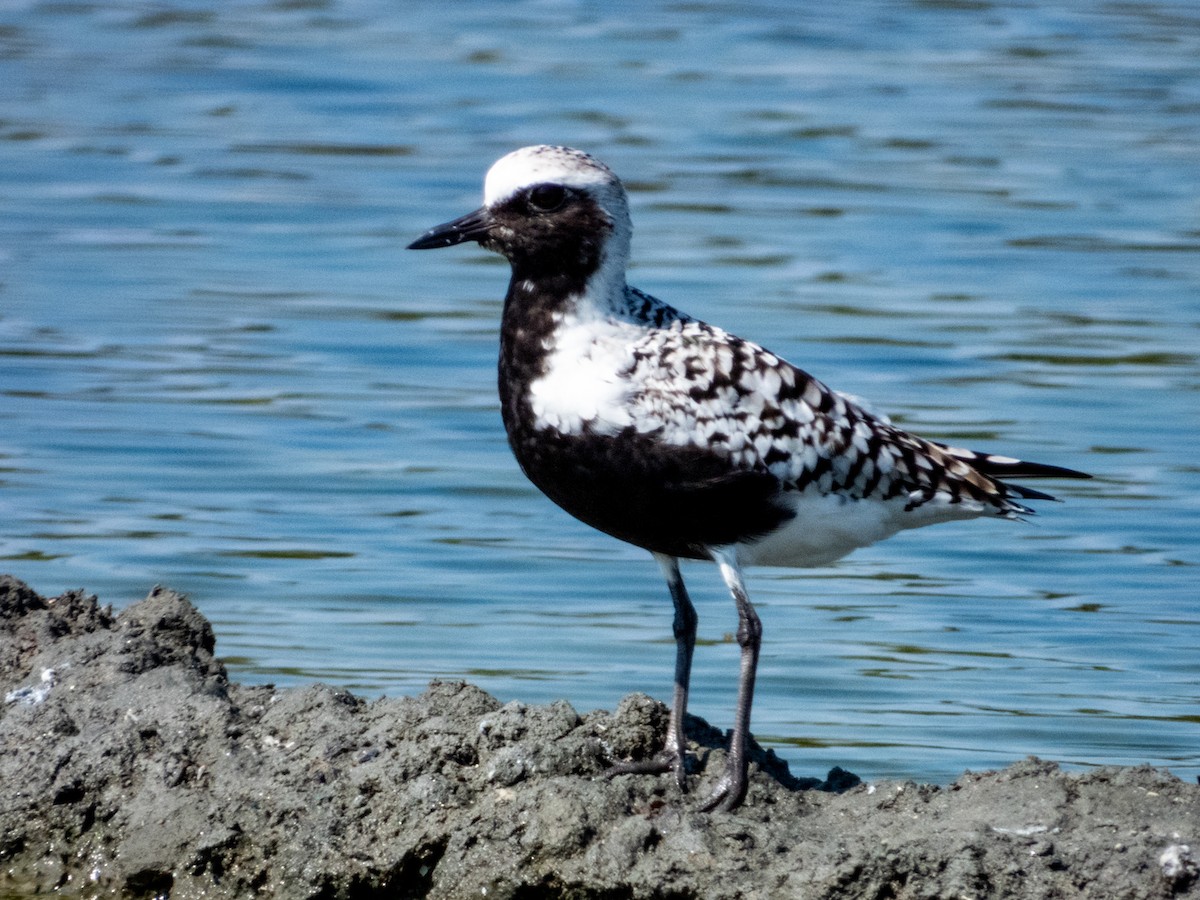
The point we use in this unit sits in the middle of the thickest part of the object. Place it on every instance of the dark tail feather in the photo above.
(1005, 467)
(1026, 493)
(1022, 469)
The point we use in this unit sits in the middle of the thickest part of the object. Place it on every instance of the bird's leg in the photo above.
(673, 756)
(684, 628)
(731, 788)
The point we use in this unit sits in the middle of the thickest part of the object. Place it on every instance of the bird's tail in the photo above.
(1003, 468)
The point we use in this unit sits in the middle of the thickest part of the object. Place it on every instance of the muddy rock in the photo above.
(131, 766)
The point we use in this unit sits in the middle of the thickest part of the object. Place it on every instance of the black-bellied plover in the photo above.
(678, 437)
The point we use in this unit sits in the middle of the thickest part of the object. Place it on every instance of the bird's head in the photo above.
(546, 208)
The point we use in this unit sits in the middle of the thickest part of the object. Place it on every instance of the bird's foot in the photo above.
(666, 760)
(730, 790)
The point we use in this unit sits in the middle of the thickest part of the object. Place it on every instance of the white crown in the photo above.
(544, 164)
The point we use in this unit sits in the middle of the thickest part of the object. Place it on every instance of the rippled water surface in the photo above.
(219, 370)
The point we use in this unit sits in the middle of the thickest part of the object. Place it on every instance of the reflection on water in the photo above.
(218, 371)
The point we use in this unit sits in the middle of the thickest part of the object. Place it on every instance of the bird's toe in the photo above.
(662, 762)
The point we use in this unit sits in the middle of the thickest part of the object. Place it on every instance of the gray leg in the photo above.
(731, 789)
(685, 643)
(674, 753)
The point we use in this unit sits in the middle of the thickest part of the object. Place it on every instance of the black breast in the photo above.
(665, 498)
(672, 500)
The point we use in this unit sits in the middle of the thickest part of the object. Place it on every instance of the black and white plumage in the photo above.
(676, 436)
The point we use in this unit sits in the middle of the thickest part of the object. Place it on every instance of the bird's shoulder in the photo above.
(690, 372)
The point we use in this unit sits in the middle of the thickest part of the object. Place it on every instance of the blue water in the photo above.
(220, 372)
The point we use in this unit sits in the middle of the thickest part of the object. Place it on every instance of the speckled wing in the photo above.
(697, 386)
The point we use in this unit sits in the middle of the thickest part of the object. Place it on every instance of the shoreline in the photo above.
(132, 766)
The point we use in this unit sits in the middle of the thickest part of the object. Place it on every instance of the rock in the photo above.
(130, 765)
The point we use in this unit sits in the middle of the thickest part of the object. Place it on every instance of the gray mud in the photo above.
(130, 765)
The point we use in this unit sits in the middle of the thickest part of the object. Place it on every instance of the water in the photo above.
(219, 371)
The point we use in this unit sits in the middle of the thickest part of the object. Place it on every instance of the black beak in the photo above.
(474, 226)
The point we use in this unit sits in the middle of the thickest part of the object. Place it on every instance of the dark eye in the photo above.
(547, 197)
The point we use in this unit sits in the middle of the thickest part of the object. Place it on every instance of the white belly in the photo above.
(827, 527)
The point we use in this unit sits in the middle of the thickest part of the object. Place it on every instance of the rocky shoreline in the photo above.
(131, 766)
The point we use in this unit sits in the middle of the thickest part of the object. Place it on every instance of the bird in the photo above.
(678, 437)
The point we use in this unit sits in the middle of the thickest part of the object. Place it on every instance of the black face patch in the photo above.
(551, 234)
